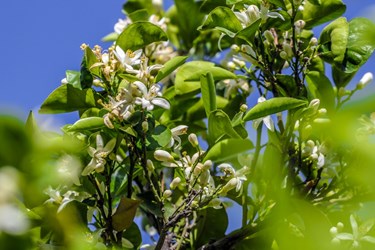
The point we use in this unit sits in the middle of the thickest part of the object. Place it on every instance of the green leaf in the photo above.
(90, 59)
(227, 149)
(248, 33)
(140, 34)
(89, 123)
(278, 3)
(361, 44)
(222, 17)
(123, 217)
(208, 93)
(197, 111)
(328, 10)
(162, 135)
(320, 86)
(188, 75)
(169, 67)
(73, 78)
(219, 125)
(333, 40)
(139, 15)
(133, 5)
(66, 98)
(211, 226)
(111, 37)
(133, 234)
(273, 106)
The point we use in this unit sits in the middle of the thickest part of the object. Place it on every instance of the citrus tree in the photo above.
(194, 109)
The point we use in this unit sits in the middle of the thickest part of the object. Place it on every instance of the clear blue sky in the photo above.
(40, 39)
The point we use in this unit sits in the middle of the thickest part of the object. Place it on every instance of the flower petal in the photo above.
(161, 102)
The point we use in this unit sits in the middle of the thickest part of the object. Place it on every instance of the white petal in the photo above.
(110, 145)
(141, 86)
(179, 130)
(120, 54)
(161, 102)
(269, 123)
(99, 142)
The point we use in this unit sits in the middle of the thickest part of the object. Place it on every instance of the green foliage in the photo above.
(165, 132)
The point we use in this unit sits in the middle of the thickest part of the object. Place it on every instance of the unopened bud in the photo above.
(175, 182)
(288, 49)
(193, 139)
(322, 111)
(235, 48)
(300, 24)
(207, 165)
(162, 155)
(64, 81)
(198, 169)
(314, 104)
(269, 36)
(243, 108)
(322, 120)
(333, 231)
(340, 226)
(231, 65)
(167, 193)
(284, 55)
(253, 13)
(314, 41)
(342, 92)
(150, 166)
(365, 80)
(145, 126)
(204, 177)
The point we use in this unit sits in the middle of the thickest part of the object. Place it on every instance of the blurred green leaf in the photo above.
(139, 15)
(133, 234)
(169, 67)
(66, 98)
(188, 75)
(247, 34)
(228, 148)
(272, 106)
(141, 34)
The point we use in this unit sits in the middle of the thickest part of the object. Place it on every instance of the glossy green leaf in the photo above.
(220, 125)
(340, 77)
(211, 225)
(67, 98)
(138, 35)
(133, 5)
(208, 93)
(227, 149)
(272, 106)
(162, 135)
(328, 10)
(169, 67)
(248, 33)
(361, 44)
(90, 59)
(133, 234)
(197, 111)
(278, 3)
(89, 123)
(320, 86)
(222, 17)
(123, 217)
(188, 75)
(139, 15)
(73, 78)
(333, 40)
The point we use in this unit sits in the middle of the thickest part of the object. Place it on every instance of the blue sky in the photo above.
(40, 39)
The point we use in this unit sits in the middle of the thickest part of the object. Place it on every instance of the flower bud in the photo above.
(365, 80)
(144, 126)
(207, 165)
(193, 139)
(314, 41)
(167, 193)
(322, 111)
(231, 65)
(198, 169)
(284, 55)
(204, 177)
(64, 81)
(333, 231)
(301, 8)
(243, 108)
(162, 155)
(288, 49)
(300, 24)
(175, 182)
(269, 36)
(253, 13)
(322, 120)
(342, 92)
(150, 166)
(340, 226)
(314, 104)
(235, 48)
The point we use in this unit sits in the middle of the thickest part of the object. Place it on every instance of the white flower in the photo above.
(121, 25)
(238, 177)
(265, 14)
(98, 155)
(365, 80)
(150, 97)
(69, 169)
(176, 132)
(62, 201)
(249, 16)
(12, 220)
(128, 59)
(267, 120)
